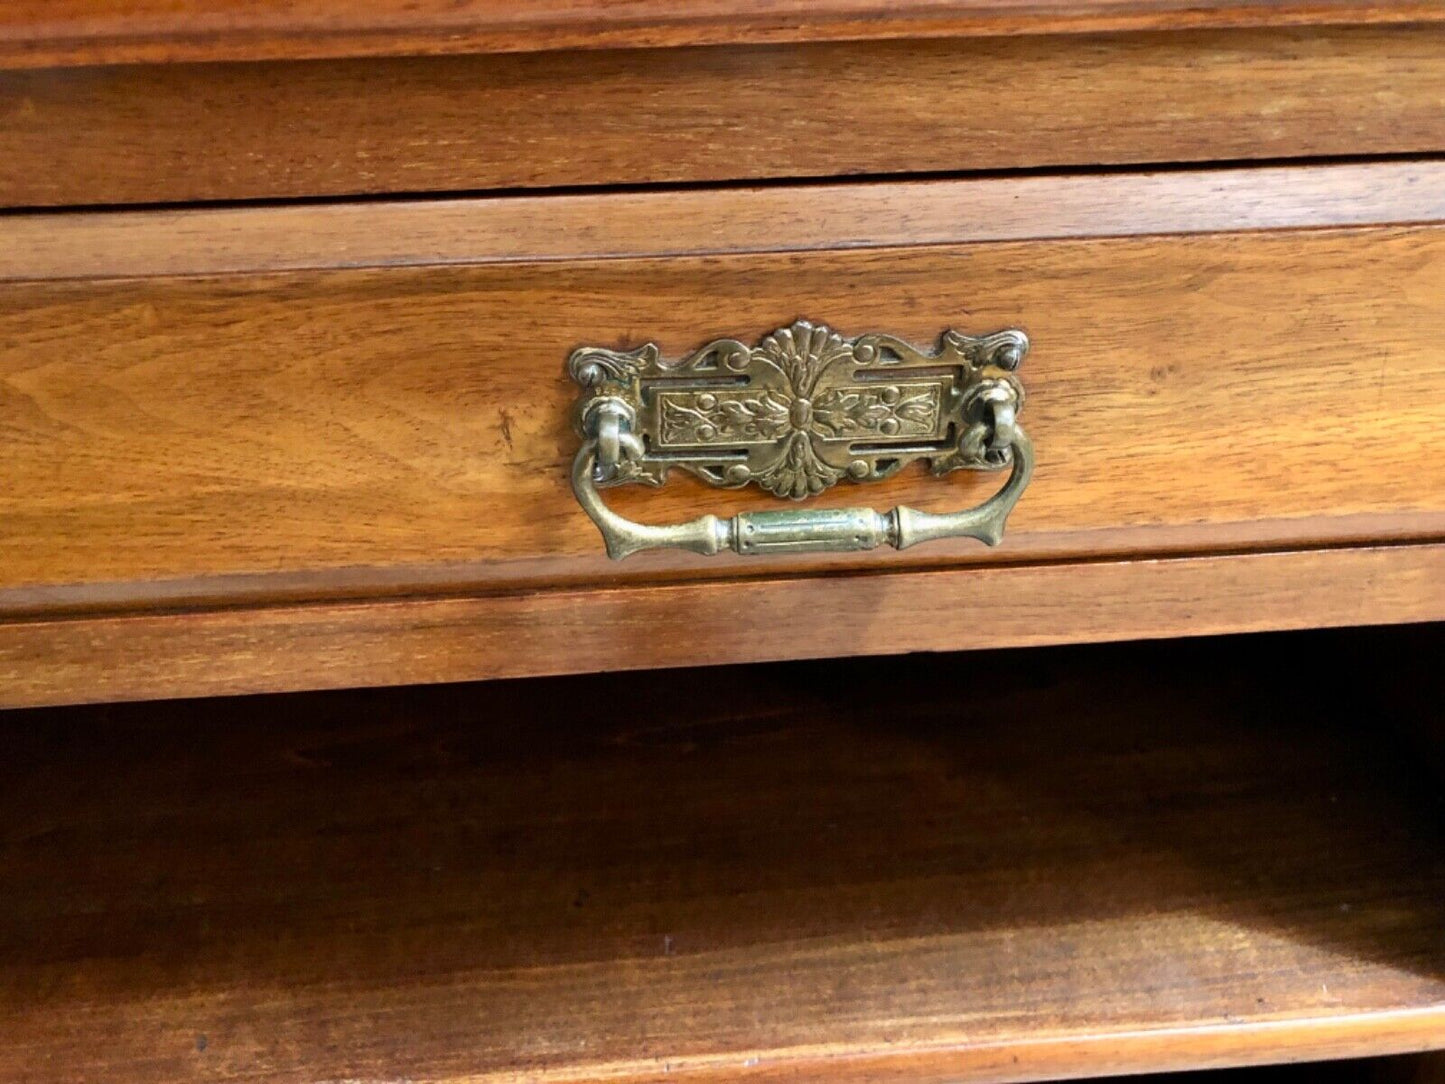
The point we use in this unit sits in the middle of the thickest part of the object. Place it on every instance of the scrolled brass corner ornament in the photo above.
(799, 412)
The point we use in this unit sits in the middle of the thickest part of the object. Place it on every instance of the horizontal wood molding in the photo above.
(42, 33)
(141, 244)
(267, 649)
(182, 133)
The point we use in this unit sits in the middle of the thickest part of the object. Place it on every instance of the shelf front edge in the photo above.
(428, 640)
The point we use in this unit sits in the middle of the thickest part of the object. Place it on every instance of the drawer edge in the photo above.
(708, 222)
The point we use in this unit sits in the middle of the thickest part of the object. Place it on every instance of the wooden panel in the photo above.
(1026, 867)
(264, 649)
(215, 132)
(47, 32)
(513, 229)
(310, 434)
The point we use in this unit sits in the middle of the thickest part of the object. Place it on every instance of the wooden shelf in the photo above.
(999, 866)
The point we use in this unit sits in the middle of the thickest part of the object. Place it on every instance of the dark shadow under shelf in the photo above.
(1010, 865)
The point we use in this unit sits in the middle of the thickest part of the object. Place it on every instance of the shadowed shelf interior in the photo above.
(990, 866)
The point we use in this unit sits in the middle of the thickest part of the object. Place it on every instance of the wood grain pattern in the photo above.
(153, 134)
(311, 434)
(158, 243)
(1026, 867)
(341, 645)
(37, 33)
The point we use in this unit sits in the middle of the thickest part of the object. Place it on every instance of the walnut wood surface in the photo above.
(50, 32)
(312, 434)
(1005, 867)
(511, 229)
(338, 645)
(154, 134)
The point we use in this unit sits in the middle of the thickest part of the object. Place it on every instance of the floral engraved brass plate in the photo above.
(802, 410)
(799, 412)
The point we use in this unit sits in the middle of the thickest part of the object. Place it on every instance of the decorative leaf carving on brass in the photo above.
(803, 409)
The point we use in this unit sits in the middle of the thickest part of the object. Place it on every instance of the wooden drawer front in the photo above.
(315, 432)
(427, 124)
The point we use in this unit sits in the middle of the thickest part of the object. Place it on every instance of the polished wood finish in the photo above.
(153, 134)
(1000, 868)
(338, 645)
(325, 433)
(528, 229)
(286, 287)
(37, 33)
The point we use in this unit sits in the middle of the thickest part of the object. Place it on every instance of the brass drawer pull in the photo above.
(802, 410)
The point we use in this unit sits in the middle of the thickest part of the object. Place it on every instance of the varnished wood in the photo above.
(158, 243)
(1000, 868)
(48, 32)
(325, 433)
(249, 449)
(239, 131)
(266, 649)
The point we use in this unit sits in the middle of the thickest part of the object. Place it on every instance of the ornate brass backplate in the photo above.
(802, 410)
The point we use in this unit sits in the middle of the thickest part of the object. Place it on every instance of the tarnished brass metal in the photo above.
(799, 412)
